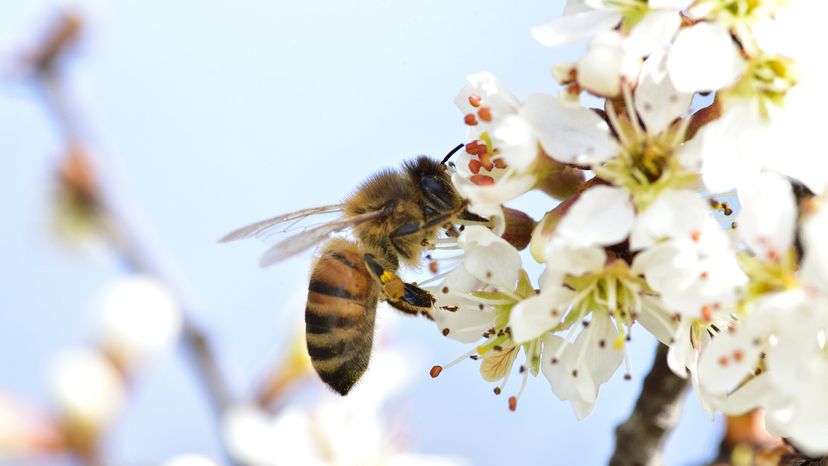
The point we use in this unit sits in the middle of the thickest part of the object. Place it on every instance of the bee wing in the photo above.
(301, 241)
(266, 228)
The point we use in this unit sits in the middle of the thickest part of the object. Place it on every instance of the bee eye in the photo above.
(437, 193)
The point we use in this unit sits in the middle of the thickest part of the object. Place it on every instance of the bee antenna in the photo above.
(453, 151)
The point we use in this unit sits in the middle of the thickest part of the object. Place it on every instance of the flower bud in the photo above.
(89, 392)
(556, 179)
(519, 228)
(543, 233)
(137, 318)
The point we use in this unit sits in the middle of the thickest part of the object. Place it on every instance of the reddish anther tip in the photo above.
(499, 163)
(512, 403)
(470, 120)
(485, 114)
(707, 313)
(472, 148)
(435, 371)
(432, 267)
(482, 180)
(474, 100)
(474, 166)
(695, 235)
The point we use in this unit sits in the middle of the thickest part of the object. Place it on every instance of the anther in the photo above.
(445, 290)
(499, 163)
(574, 372)
(585, 323)
(488, 274)
(738, 355)
(481, 306)
(474, 166)
(521, 369)
(482, 180)
(470, 119)
(432, 267)
(485, 114)
(554, 360)
(707, 313)
(695, 235)
(512, 403)
(474, 100)
(445, 332)
(497, 348)
(627, 376)
(435, 371)
(723, 361)
(497, 390)
(602, 343)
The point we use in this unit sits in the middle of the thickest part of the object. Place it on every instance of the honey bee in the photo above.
(392, 215)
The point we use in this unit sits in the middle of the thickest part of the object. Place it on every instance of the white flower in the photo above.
(704, 58)
(647, 24)
(693, 268)
(137, 318)
(87, 388)
(335, 432)
(190, 460)
(576, 370)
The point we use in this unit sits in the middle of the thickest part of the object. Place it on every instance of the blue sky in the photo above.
(221, 113)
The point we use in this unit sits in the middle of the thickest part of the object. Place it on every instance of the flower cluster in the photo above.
(703, 102)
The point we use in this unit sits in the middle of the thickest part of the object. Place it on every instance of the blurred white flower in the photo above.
(136, 318)
(190, 460)
(336, 431)
(87, 389)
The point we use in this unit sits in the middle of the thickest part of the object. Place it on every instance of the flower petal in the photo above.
(573, 27)
(602, 216)
(704, 58)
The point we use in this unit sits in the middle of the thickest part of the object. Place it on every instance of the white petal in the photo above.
(575, 27)
(675, 214)
(569, 381)
(515, 137)
(677, 4)
(704, 58)
(601, 357)
(493, 93)
(680, 349)
(600, 70)
(602, 215)
(730, 358)
(466, 324)
(490, 258)
(533, 316)
(767, 219)
(656, 320)
(569, 134)
(564, 259)
(656, 98)
(749, 396)
(653, 32)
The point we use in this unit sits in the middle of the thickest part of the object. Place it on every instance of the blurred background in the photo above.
(211, 115)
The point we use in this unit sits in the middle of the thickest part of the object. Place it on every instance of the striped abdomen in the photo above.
(339, 317)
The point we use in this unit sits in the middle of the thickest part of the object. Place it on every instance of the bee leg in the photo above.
(406, 297)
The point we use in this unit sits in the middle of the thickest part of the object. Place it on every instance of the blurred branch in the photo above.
(128, 239)
(639, 439)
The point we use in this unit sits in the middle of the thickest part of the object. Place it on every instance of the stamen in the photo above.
(485, 114)
(474, 100)
(631, 114)
(482, 180)
(470, 119)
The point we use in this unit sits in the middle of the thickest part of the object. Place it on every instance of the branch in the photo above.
(129, 238)
(639, 439)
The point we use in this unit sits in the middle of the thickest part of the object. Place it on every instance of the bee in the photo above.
(392, 215)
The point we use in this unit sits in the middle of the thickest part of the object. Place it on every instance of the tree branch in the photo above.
(116, 218)
(639, 439)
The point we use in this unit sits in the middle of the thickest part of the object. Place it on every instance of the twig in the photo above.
(638, 440)
(128, 238)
